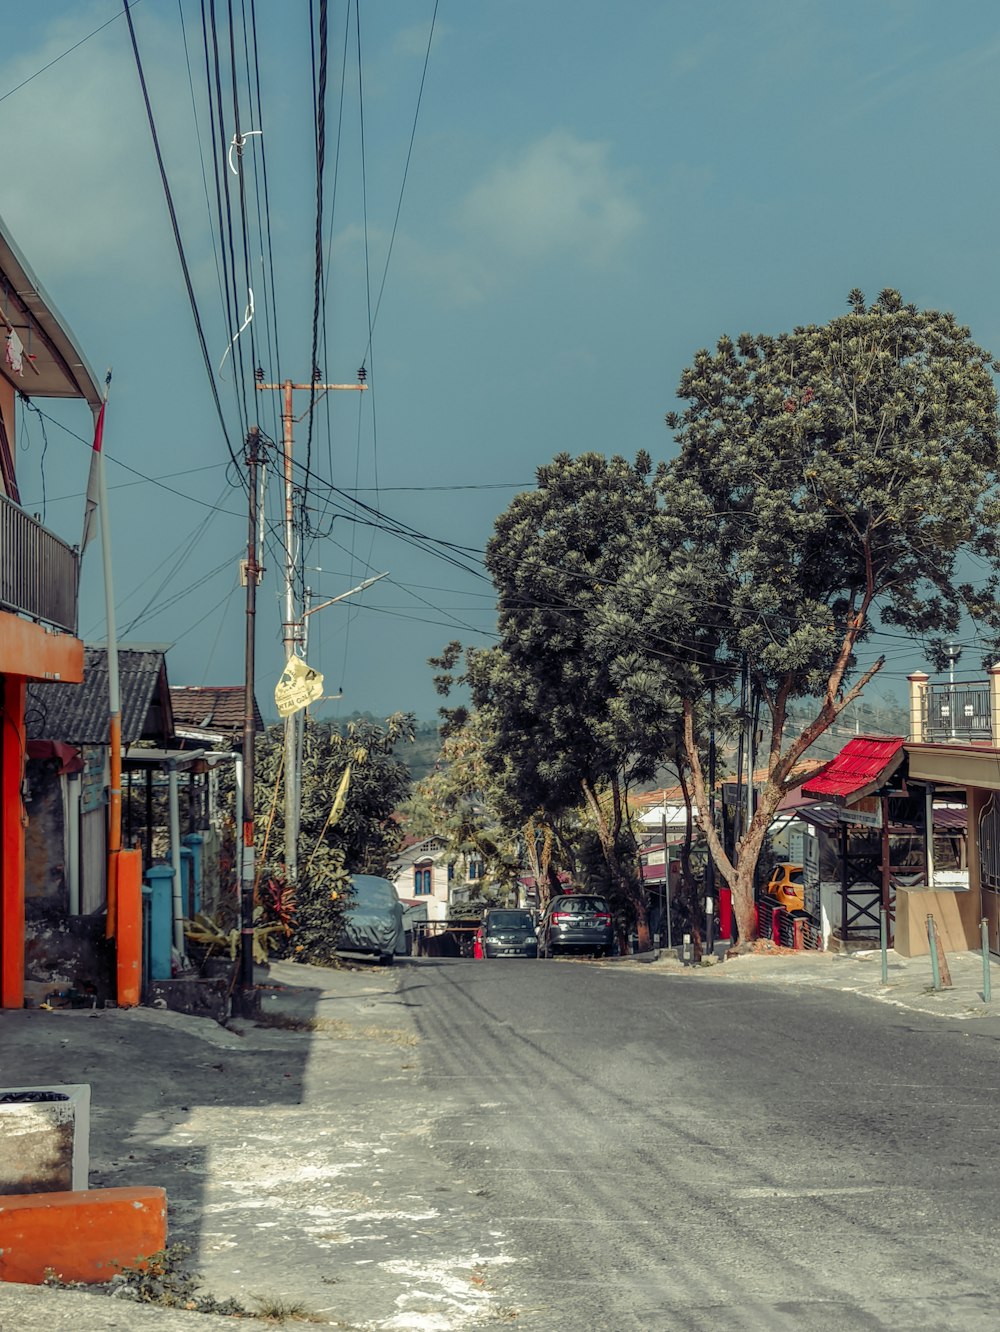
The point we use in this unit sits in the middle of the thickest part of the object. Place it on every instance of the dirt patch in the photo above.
(337, 1027)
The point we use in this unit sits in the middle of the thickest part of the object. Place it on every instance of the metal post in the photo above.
(242, 1001)
(175, 857)
(932, 944)
(666, 862)
(929, 831)
(884, 941)
(984, 934)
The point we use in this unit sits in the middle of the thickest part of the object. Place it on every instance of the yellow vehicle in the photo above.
(785, 886)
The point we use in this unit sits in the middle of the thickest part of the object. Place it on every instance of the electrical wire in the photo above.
(176, 231)
(69, 51)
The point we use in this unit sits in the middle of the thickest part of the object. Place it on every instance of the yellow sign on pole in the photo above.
(299, 686)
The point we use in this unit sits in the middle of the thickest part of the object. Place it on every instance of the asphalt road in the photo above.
(655, 1151)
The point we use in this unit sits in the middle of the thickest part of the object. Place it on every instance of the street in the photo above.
(674, 1152)
(563, 1144)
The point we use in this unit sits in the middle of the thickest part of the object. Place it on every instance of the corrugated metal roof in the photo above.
(862, 766)
(56, 367)
(78, 714)
(216, 708)
(827, 817)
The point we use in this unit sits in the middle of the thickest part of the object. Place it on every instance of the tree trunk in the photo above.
(619, 878)
(748, 853)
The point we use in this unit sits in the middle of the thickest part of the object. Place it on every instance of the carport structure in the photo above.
(857, 787)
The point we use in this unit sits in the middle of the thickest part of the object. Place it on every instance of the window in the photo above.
(475, 870)
(421, 880)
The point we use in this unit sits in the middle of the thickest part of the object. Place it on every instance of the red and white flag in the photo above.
(93, 482)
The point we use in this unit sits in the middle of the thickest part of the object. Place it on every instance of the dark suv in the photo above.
(508, 933)
(576, 922)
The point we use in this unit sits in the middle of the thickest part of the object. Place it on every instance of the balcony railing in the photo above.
(39, 574)
(958, 711)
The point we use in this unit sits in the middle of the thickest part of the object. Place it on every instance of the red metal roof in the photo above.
(862, 766)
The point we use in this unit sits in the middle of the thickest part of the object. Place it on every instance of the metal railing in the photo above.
(959, 711)
(39, 573)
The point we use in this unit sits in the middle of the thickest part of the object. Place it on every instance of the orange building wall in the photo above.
(27, 652)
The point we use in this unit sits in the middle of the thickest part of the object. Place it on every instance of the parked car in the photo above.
(785, 886)
(508, 933)
(576, 922)
(373, 919)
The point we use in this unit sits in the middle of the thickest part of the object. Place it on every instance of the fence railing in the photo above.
(39, 573)
(959, 711)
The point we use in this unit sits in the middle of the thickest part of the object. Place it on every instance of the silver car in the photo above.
(373, 919)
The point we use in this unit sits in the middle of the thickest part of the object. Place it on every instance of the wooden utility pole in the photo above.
(292, 622)
(243, 996)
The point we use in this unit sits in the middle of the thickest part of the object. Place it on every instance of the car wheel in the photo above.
(386, 959)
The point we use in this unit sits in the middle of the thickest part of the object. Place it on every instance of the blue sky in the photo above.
(593, 194)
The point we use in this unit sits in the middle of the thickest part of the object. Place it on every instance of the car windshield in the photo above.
(580, 905)
(508, 920)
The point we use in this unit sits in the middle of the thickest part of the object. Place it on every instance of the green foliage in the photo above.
(829, 482)
(828, 479)
(561, 733)
(548, 689)
(346, 827)
(365, 833)
(458, 802)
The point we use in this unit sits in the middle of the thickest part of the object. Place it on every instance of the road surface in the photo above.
(655, 1151)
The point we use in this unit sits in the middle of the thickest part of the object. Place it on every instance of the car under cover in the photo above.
(373, 917)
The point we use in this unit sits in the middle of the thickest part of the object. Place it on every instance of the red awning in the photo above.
(863, 766)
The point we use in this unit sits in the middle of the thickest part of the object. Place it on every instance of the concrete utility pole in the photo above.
(292, 623)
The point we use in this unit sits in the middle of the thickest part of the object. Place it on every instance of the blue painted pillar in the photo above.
(161, 883)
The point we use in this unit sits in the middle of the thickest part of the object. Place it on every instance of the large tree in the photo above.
(828, 482)
(457, 802)
(556, 732)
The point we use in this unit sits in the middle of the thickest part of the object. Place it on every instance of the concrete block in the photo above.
(44, 1138)
(84, 1237)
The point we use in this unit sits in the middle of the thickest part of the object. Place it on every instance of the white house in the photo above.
(423, 877)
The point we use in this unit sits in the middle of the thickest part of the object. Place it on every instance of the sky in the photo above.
(534, 215)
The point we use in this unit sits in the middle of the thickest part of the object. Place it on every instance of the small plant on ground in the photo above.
(163, 1278)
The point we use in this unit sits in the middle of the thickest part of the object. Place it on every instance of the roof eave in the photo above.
(79, 379)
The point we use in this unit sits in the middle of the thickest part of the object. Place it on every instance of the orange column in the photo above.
(12, 757)
(128, 935)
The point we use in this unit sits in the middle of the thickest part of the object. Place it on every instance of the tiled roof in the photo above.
(674, 795)
(862, 766)
(218, 708)
(78, 714)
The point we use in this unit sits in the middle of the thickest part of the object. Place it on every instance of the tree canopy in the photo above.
(557, 733)
(828, 482)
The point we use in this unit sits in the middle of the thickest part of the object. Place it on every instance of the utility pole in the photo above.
(292, 623)
(243, 997)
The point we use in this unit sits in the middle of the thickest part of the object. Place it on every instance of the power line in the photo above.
(176, 230)
(69, 51)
